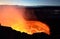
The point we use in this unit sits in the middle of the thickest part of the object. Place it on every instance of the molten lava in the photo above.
(11, 16)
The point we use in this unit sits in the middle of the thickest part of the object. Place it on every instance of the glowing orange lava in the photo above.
(11, 16)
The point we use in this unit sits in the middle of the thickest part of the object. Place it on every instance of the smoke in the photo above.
(16, 18)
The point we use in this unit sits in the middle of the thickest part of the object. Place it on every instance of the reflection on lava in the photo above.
(11, 16)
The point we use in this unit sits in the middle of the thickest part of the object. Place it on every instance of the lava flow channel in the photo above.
(11, 16)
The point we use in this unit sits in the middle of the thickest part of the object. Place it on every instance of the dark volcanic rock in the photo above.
(9, 33)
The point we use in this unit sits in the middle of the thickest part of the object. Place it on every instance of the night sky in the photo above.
(30, 2)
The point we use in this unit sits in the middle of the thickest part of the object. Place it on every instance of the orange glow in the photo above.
(11, 16)
(37, 26)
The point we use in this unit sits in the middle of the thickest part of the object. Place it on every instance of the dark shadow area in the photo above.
(49, 15)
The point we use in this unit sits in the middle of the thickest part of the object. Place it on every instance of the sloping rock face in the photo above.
(9, 33)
